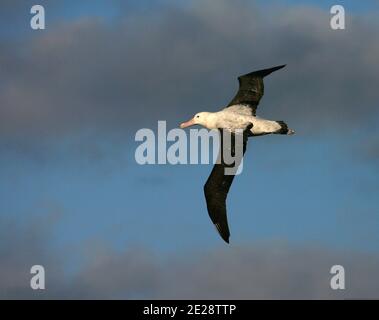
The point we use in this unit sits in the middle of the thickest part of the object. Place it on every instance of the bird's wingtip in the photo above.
(265, 72)
(225, 238)
(279, 67)
(224, 235)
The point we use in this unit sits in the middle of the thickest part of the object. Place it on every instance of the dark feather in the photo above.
(251, 88)
(218, 184)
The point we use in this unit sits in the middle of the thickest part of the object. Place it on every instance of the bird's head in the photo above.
(202, 118)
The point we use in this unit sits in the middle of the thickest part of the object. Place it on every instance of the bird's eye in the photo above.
(197, 116)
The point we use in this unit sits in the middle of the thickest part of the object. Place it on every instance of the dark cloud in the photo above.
(250, 272)
(93, 269)
(23, 245)
(273, 271)
(93, 75)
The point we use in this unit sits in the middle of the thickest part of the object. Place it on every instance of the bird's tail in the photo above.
(284, 128)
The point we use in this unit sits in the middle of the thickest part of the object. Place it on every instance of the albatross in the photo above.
(238, 116)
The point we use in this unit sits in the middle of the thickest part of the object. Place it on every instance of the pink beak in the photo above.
(187, 124)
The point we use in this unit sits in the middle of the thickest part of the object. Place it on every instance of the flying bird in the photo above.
(238, 116)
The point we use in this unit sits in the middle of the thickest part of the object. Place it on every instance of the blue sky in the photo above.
(316, 188)
(320, 202)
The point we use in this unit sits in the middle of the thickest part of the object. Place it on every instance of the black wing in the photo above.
(218, 184)
(251, 88)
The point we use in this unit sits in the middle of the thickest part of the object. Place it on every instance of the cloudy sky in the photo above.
(73, 199)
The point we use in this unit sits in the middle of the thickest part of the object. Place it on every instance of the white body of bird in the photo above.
(233, 118)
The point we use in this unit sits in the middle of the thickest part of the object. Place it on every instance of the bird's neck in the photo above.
(211, 120)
